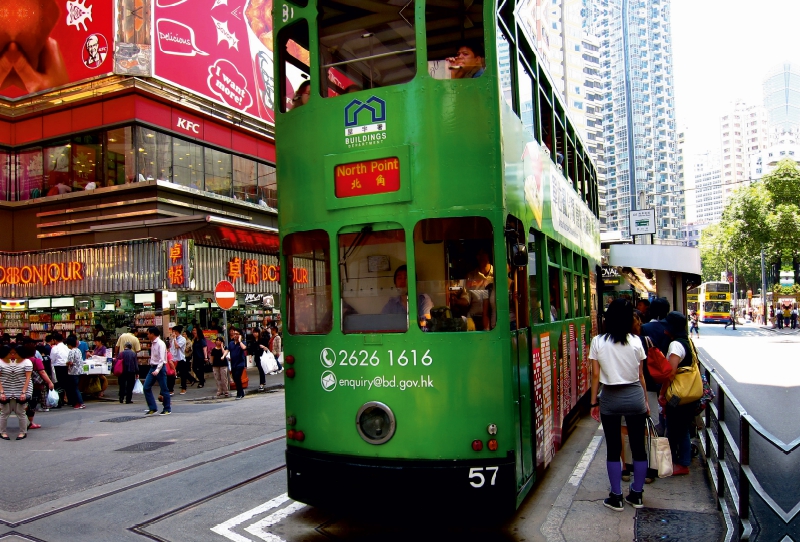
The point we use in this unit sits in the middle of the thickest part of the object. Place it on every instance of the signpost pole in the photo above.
(225, 327)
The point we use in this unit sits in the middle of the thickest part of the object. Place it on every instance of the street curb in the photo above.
(248, 391)
(551, 528)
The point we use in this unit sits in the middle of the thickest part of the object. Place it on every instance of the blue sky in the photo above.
(721, 51)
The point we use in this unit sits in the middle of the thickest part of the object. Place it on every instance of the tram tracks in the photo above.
(159, 477)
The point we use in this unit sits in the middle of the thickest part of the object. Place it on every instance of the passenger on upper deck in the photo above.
(301, 94)
(469, 62)
(399, 304)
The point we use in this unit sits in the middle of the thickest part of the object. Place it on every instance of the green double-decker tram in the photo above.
(439, 237)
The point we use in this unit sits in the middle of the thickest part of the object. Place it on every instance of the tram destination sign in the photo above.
(368, 177)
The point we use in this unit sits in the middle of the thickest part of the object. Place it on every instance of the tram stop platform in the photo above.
(567, 505)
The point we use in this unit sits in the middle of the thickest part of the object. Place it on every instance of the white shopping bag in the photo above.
(138, 388)
(268, 362)
(660, 454)
(52, 399)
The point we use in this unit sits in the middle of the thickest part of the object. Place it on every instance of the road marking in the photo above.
(224, 528)
(257, 529)
(586, 460)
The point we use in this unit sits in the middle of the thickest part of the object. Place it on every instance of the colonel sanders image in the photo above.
(29, 58)
(94, 51)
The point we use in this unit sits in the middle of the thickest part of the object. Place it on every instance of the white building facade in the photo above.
(744, 133)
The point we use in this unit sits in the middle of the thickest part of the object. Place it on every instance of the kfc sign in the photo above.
(187, 124)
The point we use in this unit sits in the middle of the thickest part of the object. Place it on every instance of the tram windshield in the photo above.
(309, 285)
(455, 268)
(374, 277)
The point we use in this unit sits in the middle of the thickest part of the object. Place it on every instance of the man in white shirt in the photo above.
(157, 372)
(58, 358)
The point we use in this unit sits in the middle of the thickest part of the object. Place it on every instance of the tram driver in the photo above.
(399, 304)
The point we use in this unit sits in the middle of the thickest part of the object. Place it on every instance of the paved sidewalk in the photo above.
(680, 508)
(207, 392)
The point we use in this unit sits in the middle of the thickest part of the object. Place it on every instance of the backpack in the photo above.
(657, 363)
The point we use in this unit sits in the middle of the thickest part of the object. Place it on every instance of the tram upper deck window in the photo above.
(374, 279)
(308, 295)
(365, 45)
(454, 32)
(454, 268)
(295, 68)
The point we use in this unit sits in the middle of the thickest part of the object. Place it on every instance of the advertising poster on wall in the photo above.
(583, 379)
(548, 443)
(574, 368)
(219, 49)
(46, 44)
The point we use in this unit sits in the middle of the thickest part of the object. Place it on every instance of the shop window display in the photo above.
(87, 161)
(120, 156)
(5, 174)
(56, 169)
(187, 164)
(245, 179)
(30, 174)
(267, 186)
(154, 151)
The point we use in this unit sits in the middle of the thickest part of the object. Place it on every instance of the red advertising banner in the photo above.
(370, 177)
(220, 49)
(51, 43)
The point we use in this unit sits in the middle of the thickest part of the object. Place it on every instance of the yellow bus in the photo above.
(692, 297)
(714, 300)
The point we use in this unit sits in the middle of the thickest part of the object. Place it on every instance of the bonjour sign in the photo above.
(43, 274)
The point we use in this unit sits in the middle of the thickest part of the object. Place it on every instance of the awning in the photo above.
(205, 230)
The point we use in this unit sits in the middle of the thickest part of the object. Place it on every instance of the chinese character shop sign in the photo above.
(176, 274)
(369, 177)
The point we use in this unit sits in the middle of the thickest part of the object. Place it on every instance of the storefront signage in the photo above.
(43, 274)
(369, 177)
(611, 276)
(175, 273)
(187, 124)
(251, 271)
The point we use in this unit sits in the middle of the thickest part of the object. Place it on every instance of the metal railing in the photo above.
(726, 441)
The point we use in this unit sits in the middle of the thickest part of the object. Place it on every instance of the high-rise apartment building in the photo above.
(744, 132)
(708, 201)
(639, 120)
(782, 98)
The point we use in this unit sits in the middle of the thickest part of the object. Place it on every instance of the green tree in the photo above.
(765, 215)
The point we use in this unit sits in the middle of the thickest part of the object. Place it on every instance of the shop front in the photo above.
(134, 285)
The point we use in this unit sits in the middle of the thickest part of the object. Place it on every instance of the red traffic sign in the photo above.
(225, 295)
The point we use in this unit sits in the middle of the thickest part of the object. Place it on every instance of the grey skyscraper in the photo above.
(639, 116)
(782, 98)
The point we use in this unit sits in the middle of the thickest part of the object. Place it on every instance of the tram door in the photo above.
(520, 335)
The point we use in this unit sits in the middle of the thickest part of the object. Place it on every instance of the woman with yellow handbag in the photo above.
(680, 395)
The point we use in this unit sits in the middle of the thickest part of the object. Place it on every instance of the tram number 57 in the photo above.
(477, 479)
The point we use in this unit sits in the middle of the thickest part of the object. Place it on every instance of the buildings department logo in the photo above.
(365, 122)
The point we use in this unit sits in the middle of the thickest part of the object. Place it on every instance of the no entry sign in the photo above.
(224, 295)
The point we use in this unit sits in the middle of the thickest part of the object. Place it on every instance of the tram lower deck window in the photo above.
(308, 265)
(374, 280)
(455, 272)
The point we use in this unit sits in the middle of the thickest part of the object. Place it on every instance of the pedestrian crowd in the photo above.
(632, 398)
(46, 374)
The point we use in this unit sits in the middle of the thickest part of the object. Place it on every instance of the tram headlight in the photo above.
(375, 422)
(492, 429)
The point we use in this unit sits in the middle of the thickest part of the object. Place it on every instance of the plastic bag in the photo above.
(137, 387)
(268, 362)
(52, 399)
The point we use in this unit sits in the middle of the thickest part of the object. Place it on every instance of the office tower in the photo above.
(744, 132)
(782, 98)
(708, 193)
(639, 121)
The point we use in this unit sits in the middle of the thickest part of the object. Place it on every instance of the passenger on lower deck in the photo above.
(399, 304)
(469, 300)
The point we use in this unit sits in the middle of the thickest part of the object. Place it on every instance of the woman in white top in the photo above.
(616, 358)
(15, 390)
